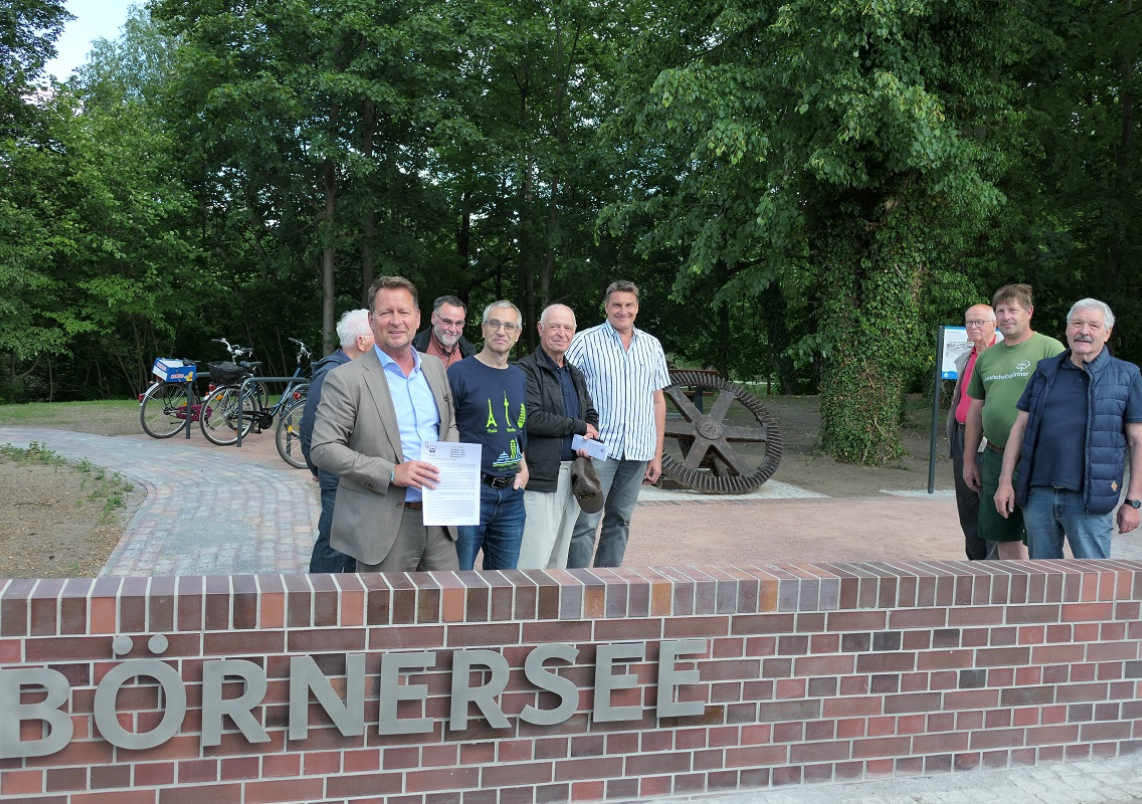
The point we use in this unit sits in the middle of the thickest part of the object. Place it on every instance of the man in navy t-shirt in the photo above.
(490, 398)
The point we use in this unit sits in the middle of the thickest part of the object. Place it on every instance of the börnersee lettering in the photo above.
(42, 694)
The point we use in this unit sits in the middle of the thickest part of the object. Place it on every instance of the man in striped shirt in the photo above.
(626, 373)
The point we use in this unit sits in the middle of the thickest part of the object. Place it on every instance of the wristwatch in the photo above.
(1133, 503)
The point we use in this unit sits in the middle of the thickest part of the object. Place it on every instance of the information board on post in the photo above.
(955, 344)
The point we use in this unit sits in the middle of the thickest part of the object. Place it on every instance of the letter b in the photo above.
(60, 729)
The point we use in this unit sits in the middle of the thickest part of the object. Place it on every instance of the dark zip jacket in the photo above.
(547, 426)
(327, 480)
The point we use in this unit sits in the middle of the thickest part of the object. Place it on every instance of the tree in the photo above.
(312, 118)
(28, 31)
(851, 150)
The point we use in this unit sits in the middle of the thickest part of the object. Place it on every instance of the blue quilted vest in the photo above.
(1109, 389)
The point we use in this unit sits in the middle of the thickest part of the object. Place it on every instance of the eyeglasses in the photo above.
(450, 323)
(978, 322)
(494, 325)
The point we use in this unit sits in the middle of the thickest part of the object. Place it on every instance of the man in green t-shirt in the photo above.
(1000, 375)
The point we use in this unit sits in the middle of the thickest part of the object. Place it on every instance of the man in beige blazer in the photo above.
(374, 414)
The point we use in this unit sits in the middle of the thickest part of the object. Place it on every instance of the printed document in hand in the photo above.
(596, 449)
(456, 498)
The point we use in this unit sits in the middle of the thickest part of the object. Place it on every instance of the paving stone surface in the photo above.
(1105, 781)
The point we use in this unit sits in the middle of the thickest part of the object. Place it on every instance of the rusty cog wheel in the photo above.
(707, 440)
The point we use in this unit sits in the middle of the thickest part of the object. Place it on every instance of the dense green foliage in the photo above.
(805, 191)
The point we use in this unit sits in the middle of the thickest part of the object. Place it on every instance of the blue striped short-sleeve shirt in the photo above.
(622, 383)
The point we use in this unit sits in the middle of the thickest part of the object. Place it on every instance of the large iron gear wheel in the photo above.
(707, 440)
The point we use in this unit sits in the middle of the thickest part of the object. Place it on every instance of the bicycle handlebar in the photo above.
(302, 350)
(235, 350)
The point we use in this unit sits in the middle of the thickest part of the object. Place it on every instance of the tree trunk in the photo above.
(873, 269)
(464, 236)
(525, 282)
(328, 258)
(775, 314)
(370, 224)
(723, 366)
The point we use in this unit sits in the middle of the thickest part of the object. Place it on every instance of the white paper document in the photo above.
(596, 449)
(456, 498)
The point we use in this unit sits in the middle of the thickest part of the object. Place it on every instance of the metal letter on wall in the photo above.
(13, 713)
(305, 676)
(393, 692)
(545, 679)
(214, 706)
(483, 696)
(670, 678)
(174, 704)
(606, 682)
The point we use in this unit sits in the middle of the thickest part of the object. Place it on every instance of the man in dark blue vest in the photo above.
(1080, 419)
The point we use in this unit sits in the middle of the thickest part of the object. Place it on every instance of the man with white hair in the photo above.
(1080, 418)
(356, 338)
(979, 321)
(559, 407)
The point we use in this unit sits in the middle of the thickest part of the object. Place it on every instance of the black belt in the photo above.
(495, 481)
(415, 506)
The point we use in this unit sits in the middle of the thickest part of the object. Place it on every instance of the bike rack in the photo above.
(190, 391)
(298, 378)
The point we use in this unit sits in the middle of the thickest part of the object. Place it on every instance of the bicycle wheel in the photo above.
(288, 435)
(221, 416)
(163, 409)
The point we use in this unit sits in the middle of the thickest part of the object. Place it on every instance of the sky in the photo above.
(94, 19)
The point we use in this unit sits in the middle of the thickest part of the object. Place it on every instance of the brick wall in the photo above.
(809, 673)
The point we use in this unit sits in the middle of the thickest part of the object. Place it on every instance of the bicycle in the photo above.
(220, 414)
(229, 412)
(287, 436)
(163, 408)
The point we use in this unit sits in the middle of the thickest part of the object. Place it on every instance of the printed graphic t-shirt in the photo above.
(1001, 373)
(491, 407)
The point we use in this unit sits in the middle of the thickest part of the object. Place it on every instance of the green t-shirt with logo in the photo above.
(1001, 373)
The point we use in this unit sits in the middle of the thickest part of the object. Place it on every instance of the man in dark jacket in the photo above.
(1080, 417)
(558, 407)
(356, 339)
(445, 337)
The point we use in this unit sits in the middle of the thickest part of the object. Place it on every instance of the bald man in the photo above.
(980, 322)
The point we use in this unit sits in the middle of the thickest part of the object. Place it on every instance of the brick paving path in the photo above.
(208, 511)
(1109, 781)
(222, 510)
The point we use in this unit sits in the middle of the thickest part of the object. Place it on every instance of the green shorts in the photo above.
(992, 526)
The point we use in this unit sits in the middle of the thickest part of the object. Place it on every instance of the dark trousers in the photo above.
(325, 558)
(968, 502)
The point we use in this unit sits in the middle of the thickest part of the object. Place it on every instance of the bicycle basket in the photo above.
(226, 373)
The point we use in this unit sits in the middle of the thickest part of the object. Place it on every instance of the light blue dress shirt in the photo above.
(417, 414)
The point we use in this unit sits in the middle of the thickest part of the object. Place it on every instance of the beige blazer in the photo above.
(357, 438)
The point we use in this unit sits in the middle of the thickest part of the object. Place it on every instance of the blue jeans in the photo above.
(621, 481)
(499, 533)
(1051, 513)
(325, 558)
